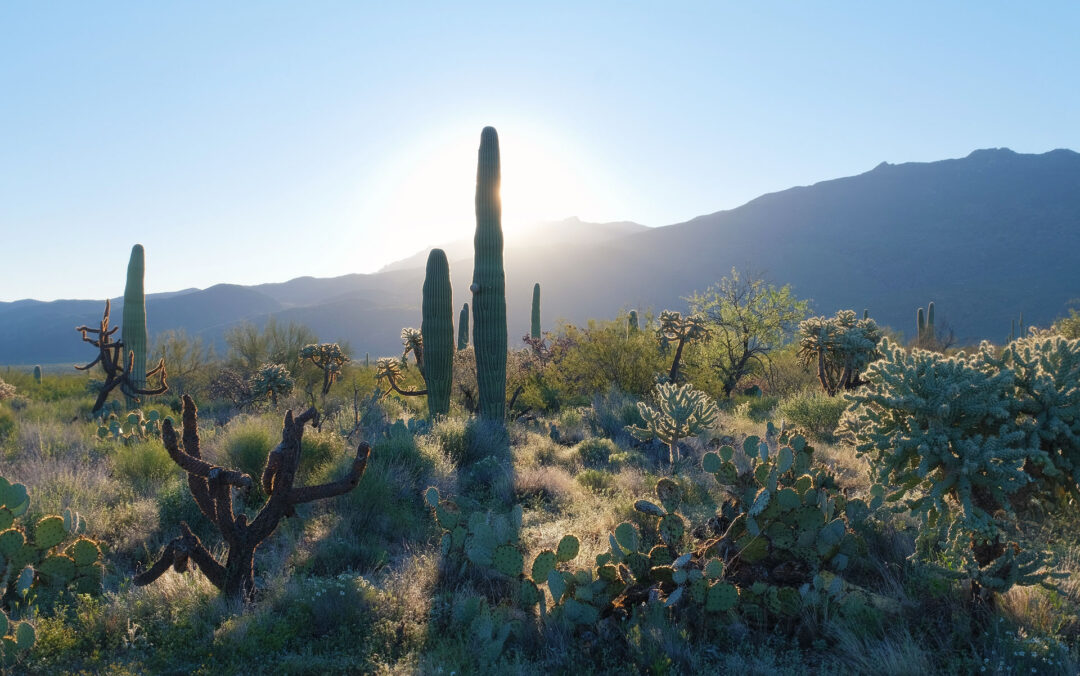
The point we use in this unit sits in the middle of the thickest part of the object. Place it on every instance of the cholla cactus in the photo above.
(413, 341)
(7, 390)
(944, 430)
(674, 328)
(683, 412)
(272, 380)
(391, 370)
(328, 358)
(1046, 370)
(841, 346)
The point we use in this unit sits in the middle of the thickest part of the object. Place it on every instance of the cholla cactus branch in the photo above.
(391, 371)
(211, 486)
(841, 347)
(674, 328)
(117, 369)
(683, 412)
(328, 358)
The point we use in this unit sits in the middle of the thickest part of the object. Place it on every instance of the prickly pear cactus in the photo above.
(16, 640)
(135, 426)
(36, 564)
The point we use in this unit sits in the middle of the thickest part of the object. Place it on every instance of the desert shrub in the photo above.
(596, 480)
(813, 412)
(595, 452)
(623, 459)
(317, 448)
(144, 462)
(453, 437)
(756, 409)
(611, 413)
(245, 444)
(7, 424)
(601, 356)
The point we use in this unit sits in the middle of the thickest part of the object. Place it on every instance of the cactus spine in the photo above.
(37, 375)
(133, 333)
(535, 329)
(437, 330)
(489, 282)
(463, 327)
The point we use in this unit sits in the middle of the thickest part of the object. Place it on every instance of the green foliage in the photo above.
(40, 563)
(489, 283)
(133, 333)
(595, 452)
(189, 360)
(840, 347)
(682, 412)
(600, 357)
(143, 462)
(943, 431)
(244, 444)
(813, 412)
(437, 330)
(250, 348)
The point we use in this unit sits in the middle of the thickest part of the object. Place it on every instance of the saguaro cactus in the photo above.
(133, 333)
(437, 331)
(924, 323)
(632, 323)
(489, 282)
(463, 327)
(37, 375)
(535, 328)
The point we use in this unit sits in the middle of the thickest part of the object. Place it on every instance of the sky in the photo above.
(251, 142)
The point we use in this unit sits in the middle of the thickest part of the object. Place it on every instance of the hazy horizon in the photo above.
(248, 145)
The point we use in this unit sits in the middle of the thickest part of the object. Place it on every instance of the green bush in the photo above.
(755, 409)
(317, 448)
(813, 412)
(596, 480)
(453, 437)
(246, 443)
(595, 452)
(144, 462)
(7, 424)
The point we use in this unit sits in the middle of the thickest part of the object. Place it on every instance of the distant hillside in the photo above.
(986, 237)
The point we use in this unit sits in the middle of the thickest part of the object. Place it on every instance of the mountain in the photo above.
(985, 237)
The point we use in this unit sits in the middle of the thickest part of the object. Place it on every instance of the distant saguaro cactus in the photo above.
(437, 331)
(133, 333)
(925, 325)
(534, 331)
(632, 323)
(489, 282)
(37, 374)
(463, 327)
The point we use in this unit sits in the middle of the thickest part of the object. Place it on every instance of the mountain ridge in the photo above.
(985, 236)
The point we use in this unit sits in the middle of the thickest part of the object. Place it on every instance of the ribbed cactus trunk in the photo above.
(489, 283)
(463, 327)
(534, 330)
(930, 322)
(133, 333)
(437, 330)
(920, 324)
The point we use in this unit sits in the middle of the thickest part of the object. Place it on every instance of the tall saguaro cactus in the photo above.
(463, 327)
(437, 331)
(133, 333)
(534, 331)
(924, 323)
(489, 282)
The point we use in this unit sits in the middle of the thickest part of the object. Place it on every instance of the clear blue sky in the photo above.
(255, 142)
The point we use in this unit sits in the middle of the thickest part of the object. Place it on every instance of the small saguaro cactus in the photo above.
(683, 412)
(489, 282)
(212, 489)
(437, 331)
(463, 327)
(632, 323)
(118, 370)
(534, 331)
(37, 374)
(924, 324)
(133, 335)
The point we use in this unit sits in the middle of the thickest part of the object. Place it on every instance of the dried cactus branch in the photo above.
(212, 489)
(111, 358)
